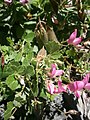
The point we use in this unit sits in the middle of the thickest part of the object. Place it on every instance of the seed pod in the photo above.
(38, 38)
(81, 13)
(44, 35)
(41, 54)
(2, 61)
(51, 34)
(41, 36)
(55, 4)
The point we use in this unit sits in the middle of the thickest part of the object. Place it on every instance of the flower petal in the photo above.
(60, 87)
(78, 94)
(53, 70)
(72, 37)
(8, 1)
(76, 41)
(80, 85)
(72, 86)
(86, 78)
(50, 86)
(87, 86)
(23, 1)
(77, 85)
(58, 73)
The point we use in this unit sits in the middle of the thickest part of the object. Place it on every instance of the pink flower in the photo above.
(86, 78)
(77, 86)
(23, 1)
(86, 81)
(87, 86)
(73, 40)
(72, 36)
(61, 87)
(54, 73)
(50, 86)
(52, 89)
(8, 1)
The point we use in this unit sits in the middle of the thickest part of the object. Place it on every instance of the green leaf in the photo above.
(7, 113)
(12, 83)
(21, 69)
(43, 95)
(18, 56)
(52, 46)
(26, 61)
(56, 55)
(29, 55)
(35, 2)
(29, 70)
(30, 23)
(71, 53)
(19, 100)
(29, 37)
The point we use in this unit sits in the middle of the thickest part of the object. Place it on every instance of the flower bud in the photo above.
(23, 1)
(8, 1)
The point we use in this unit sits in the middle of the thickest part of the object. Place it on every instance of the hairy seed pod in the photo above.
(2, 61)
(38, 38)
(44, 35)
(41, 36)
(51, 34)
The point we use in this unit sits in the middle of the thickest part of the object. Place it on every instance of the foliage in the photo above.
(25, 63)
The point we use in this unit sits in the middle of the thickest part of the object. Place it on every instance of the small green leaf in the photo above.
(30, 23)
(43, 95)
(56, 55)
(7, 113)
(25, 62)
(52, 46)
(29, 37)
(19, 100)
(30, 70)
(18, 56)
(12, 83)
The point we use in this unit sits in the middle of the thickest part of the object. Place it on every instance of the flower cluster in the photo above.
(75, 87)
(21, 1)
(73, 40)
(51, 87)
(78, 86)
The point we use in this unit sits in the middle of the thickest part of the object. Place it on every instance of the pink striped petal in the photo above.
(77, 85)
(80, 85)
(60, 87)
(76, 41)
(86, 78)
(23, 1)
(53, 70)
(87, 86)
(8, 1)
(77, 94)
(50, 86)
(72, 36)
(58, 73)
(72, 87)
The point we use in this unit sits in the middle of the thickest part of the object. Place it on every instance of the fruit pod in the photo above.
(41, 36)
(51, 34)
(38, 38)
(44, 35)
(81, 13)
(2, 61)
